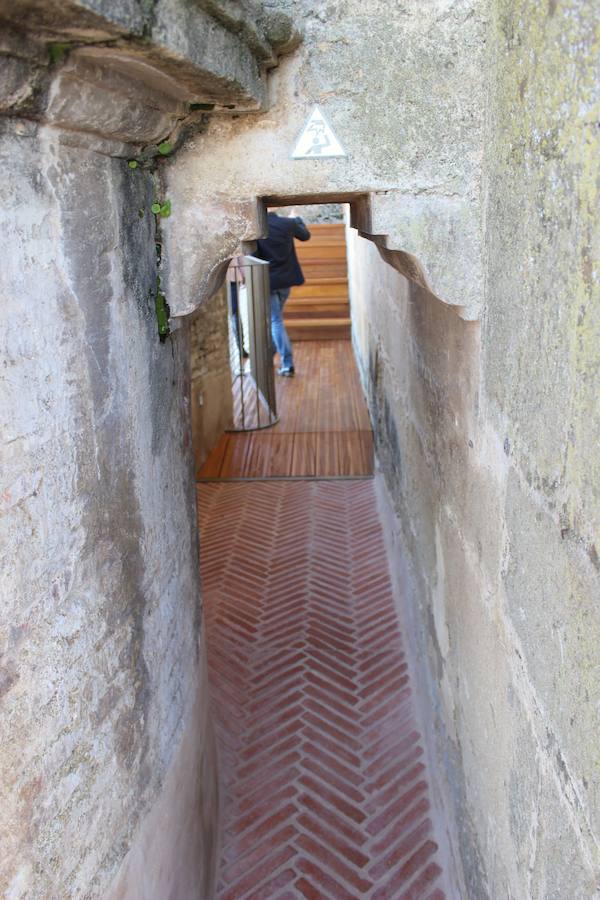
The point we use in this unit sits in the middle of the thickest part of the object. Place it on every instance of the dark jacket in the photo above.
(278, 249)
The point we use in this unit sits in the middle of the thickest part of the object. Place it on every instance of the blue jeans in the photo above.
(278, 332)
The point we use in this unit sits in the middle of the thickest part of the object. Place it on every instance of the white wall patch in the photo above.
(317, 139)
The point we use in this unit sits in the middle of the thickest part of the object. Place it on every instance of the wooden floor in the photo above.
(319, 308)
(323, 428)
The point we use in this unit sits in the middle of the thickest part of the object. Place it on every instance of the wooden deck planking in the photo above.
(323, 261)
(323, 431)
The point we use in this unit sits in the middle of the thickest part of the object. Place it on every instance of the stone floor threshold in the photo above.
(324, 781)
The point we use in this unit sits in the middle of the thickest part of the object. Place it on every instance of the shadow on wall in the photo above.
(420, 366)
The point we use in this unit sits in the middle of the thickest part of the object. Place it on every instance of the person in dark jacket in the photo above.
(284, 273)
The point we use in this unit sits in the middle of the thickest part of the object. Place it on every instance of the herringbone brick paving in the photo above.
(324, 783)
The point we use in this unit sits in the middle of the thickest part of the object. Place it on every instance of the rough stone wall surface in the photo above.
(403, 86)
(488, 443)
(100, 625)
(210, 376)
(105, 731)
(215, 53)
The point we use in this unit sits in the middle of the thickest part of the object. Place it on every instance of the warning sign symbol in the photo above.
(317, 140)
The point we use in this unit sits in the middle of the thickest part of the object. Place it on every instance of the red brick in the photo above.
(331, 689)
(438, 894)
(331, 818)
(325, 793)
(335, 843)
(322, 771)
(268, 740)
(331, 860)
(259, 762)
(286, 776)
(309, 891)
(331, 778)
(239, 844)
(396, 809)
(319, 738)
(379, 802)
(316, 753)
(403, 875)
(406, 843)
(347, 722)
(242, 864)
(244, 787)
(336, 734)
(333, 703)
(395, 770)
(424, 880)
(401, 826)
(273, 884)
(252, 878)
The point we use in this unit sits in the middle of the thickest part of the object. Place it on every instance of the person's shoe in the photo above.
(287, 373)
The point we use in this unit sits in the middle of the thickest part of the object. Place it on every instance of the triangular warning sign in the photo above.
(317, 139)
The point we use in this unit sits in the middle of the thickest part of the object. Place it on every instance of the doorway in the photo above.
(323, 428)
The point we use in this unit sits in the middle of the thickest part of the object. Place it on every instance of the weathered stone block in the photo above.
(101, 658)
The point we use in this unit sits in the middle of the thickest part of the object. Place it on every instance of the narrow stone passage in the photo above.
(324, 783)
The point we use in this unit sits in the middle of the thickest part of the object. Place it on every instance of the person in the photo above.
(284, 274)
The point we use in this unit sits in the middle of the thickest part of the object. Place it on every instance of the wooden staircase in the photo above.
(319, 309)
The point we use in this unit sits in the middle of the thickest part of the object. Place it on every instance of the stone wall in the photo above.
(101, 657)
(487, 438)
(107, 763)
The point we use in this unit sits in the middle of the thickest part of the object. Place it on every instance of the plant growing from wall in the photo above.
(162, 312)
(161, 209)
(58, 51)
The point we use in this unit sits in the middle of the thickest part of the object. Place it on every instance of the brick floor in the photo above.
(323, 776)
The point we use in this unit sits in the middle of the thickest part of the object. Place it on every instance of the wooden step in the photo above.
(316, 271)
(319, 293)
(322, 291)
(317, 311)
(320, 249)
(328, 287)
(327, 229)
(319, 329)
(321, 263)
(307, 302)
(331, 254)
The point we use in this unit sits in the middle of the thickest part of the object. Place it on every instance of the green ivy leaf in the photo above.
(165, 148)
(155, 208)
(58, 51)
(132, 164)
(165, 209)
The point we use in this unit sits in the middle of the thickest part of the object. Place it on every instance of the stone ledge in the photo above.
(211, 54)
